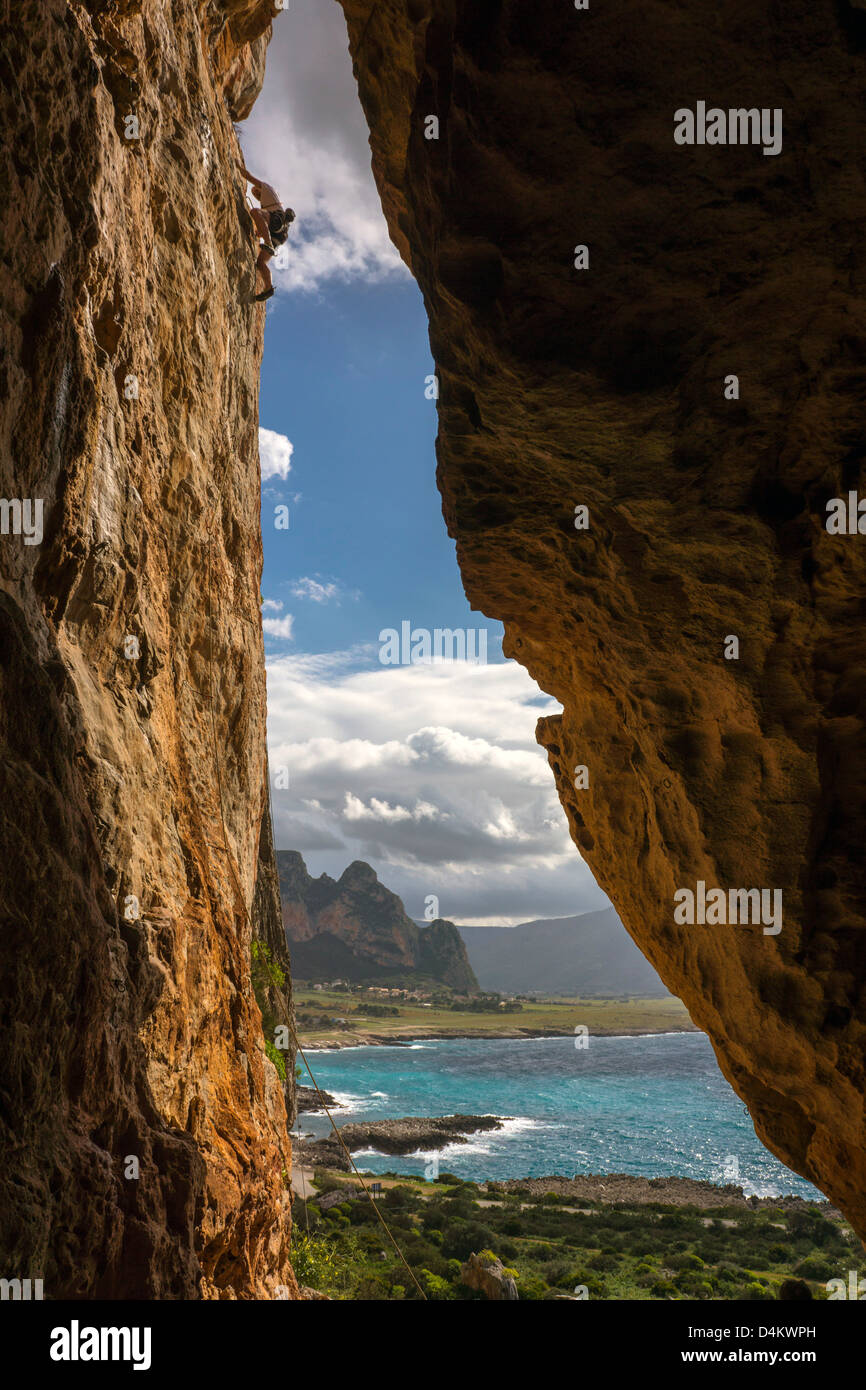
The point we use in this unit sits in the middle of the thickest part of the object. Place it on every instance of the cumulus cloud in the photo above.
(307, 136)
(278, 627)
(314, 590)
(275, 452)
(272, 605)
(380, 811)
(431, 773)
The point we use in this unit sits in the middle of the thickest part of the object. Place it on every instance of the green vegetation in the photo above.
(267, 975)
(277, 1058)
(483, 1004)
(551, 1248)
(316, 1010)
(265, 970)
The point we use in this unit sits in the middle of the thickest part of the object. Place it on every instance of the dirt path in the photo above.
(302, 1181)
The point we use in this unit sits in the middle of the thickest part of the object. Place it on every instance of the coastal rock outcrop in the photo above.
(405, 1136)
(310, 1101)
(486, 1274)
(650, 367)
(143, 1127)
(354, 928)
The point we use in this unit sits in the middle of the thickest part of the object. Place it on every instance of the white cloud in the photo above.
(380, 810)
(278, 627)
(272, 605)
(275, 452)
(432, 775)
(312, 589)
(308, 137)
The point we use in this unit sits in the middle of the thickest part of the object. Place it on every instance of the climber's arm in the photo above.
(251, 178)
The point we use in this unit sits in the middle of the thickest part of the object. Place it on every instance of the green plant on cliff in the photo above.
(277, 1058)
(265, 970)
(267, 975)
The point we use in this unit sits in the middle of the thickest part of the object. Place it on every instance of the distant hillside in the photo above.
(356, 929)
(586, 955)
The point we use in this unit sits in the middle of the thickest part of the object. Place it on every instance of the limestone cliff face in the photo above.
(604, 387)
(355, 928)
(132, 651)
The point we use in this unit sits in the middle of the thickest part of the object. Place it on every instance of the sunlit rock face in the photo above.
(600, 379)
(129, 381)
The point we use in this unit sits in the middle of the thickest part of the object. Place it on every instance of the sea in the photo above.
(650, 1106)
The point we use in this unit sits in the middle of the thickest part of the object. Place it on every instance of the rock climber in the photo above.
(272, 222)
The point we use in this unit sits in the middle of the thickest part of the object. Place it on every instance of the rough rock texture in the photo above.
(406, 1136)
(562, 387)
(355, 928)
(487, 1275)
(308, 1100)
(128, 1018)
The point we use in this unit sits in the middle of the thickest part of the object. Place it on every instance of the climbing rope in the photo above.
(242, 900)
(367, 1192)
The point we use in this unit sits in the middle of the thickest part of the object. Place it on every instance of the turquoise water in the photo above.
(651, 1106)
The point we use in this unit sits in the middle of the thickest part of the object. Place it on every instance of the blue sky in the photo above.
(344, 377)
(429, 772)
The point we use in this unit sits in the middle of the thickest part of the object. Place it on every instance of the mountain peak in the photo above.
(358, 929)
(358, 872)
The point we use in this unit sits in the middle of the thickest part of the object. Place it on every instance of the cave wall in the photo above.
(604, 387)
(130, 1027)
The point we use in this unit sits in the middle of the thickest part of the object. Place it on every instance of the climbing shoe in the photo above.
(265, 294)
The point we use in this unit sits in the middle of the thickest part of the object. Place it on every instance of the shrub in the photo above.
(396, 1198)
(532, 1287)
(815, 1267)
(561, 1274)
(686, 1260)
(459, 1241)
(688, 1281)
(662, 1288)
(318, 1263)
(755, 1292)
(603, 1263)
(372, 1288)
(436, 1287)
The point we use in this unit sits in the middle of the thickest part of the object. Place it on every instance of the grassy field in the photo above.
(555, 1016)
(553, 1249)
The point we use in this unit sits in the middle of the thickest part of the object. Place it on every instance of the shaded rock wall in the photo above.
(603, 387)
(128, 1018)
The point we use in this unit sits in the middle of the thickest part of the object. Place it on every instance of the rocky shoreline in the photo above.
(625, 1189)
(309, 1101)
(337, 1041)
(394, 1137)
(415, 1133)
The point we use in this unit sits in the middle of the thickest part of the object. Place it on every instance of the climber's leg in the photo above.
(265, 271)
(261, 225)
